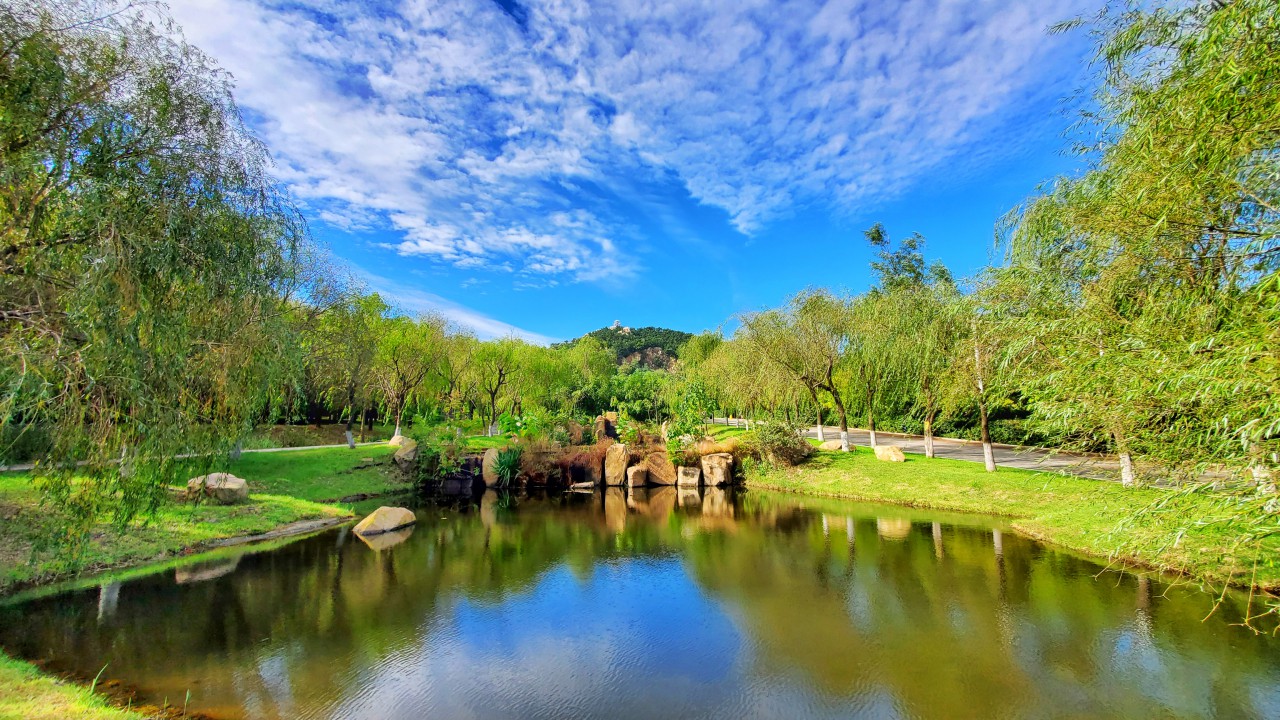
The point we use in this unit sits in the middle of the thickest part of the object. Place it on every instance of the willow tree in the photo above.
(1162, 259)
(807, 339)
(409, 352)
(146, 255)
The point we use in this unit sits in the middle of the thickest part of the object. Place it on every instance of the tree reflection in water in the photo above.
(656, 602)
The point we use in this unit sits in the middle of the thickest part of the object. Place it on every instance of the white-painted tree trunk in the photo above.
(397, 432)
(236, 450)
(1265, 481)
(873, 438)
(844, 441)
(989, 456)
(928, 439)
(822, 434)
(1127, 477)
(351, 440)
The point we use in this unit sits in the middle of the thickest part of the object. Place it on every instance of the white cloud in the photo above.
(466, 131)
(413, 300)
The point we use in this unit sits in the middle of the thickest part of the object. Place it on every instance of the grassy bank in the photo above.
(28, 694)
(1187, 533)
(285, 488)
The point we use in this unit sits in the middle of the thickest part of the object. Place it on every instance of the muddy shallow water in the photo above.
(668, 603)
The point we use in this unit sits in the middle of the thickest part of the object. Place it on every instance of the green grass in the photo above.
(482, 442)
(322, 475)
(1192, 533)
(724, 432)
(26, 693)
(285, 487)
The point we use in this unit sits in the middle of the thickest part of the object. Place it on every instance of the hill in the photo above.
(647, 346)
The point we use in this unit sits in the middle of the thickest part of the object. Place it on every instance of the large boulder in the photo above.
(717, 469)
(637, 476)
(407, 455)
(397, 441)
(221, 488)
(830, 445)
(385, 519)
(890, 453)
(603, 427)
(489, 467)
(661, 470)
(615, 464)
(688, 476)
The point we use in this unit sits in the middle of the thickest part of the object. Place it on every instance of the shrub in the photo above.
(441, 452)
(507, 465)
(775, 443)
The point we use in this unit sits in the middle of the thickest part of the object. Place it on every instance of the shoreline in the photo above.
(1169, 542)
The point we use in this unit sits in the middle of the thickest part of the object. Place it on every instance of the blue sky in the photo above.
(545, 168)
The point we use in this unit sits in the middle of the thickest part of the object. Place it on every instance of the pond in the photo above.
(665, 603)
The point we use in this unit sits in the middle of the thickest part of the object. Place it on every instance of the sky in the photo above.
(544, 168)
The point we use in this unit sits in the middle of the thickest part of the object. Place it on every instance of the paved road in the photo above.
(1098, 468)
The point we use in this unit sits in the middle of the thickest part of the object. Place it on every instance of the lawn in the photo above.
(29, 694)
(285, 487)
(321, 475)
(1185, 532)
(483, 442)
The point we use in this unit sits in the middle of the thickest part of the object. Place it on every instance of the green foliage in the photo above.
(776, 444)
(623, 342)
(507, 465)
(146, 256)
(441, 452)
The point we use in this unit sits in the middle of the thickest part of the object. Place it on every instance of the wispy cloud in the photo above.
(414, 300)
(469, 130)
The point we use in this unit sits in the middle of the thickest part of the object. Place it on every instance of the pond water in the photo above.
(663, 604)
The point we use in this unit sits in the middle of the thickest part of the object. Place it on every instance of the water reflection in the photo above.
(656, 603)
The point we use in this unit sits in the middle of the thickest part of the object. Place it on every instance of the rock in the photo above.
(661, 470)
(397, 441)
(688, 476)
(222, 488)
(890, 453)
(489, 467)
(637, 476)
(717, 469)
(407, 455)
(604, 428)
(830, 445)
(615, 464)
(385, 519)
(382, 541)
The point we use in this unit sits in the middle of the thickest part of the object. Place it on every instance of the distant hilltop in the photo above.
(651, 347)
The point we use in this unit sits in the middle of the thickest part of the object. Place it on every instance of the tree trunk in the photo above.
(1126, 470)
(928, 438)
(871, 418)
(364, 410)
(988, 453)
(844, 422)
(351, 410)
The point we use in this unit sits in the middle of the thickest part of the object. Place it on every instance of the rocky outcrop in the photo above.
(688, 476)
(637, 477)
(397, 441)
(385, 519)
(661, 470)
(489, 467)
(605, 427)
(407, 455)
(221, 488)
(615, 464)
(890, 453)
(717, 469)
